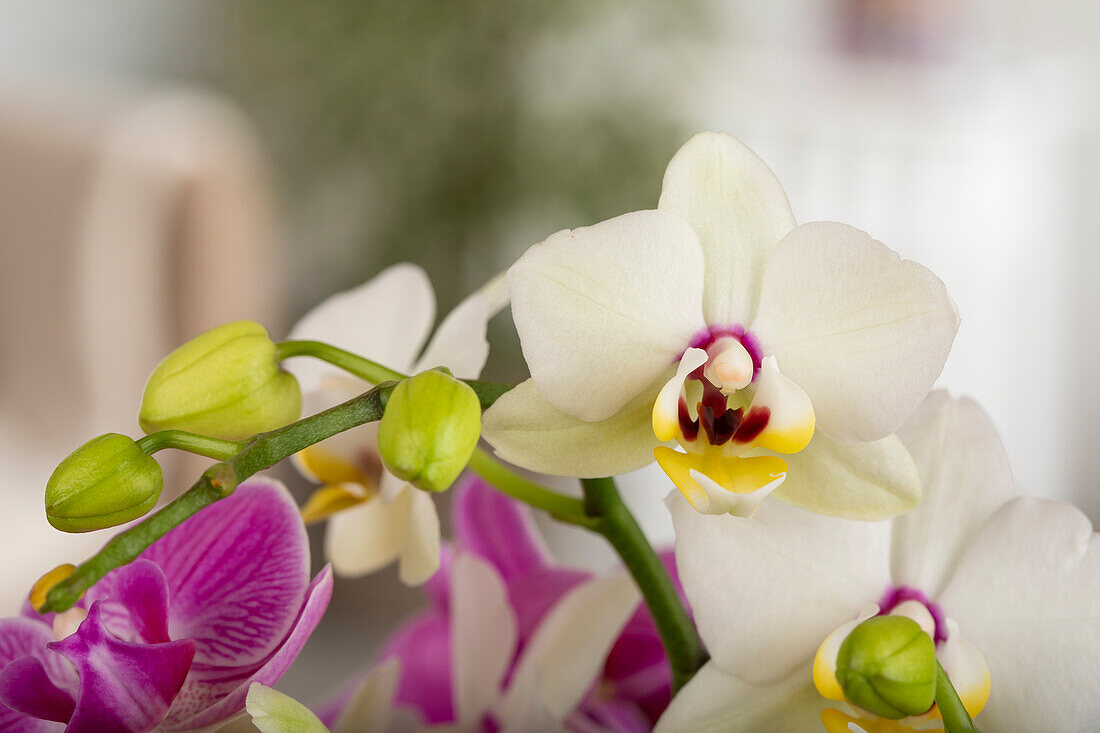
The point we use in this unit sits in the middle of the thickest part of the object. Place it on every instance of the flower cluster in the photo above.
(893, 582)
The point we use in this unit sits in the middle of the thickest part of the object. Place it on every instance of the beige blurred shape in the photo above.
(129, 222)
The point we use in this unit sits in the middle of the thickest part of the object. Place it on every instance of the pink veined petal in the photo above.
(31, 674)
(134, 602)
(211, 693)
(497, 528)
(237, 574)
(30, 699)
(123, 685)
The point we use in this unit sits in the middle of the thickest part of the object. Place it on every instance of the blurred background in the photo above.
(165, 167)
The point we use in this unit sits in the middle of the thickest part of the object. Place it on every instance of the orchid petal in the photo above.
(867, 481)
(460, 343)
(372, 706)
(386, 319)
(498, 529)
(135, 602)
(525, 429)
(862, 331)
(237, 574)
(535, 594)
(123, 685)
(966, 477)
(568, 650)
(422, 647)
(1024, 593)
(784, 579)
(718, 484)
(967, 669)
(33, 681)
(717, 702)
(211, 694)
(602, 311)
(666, 408)
(365, 538)
(420, 551)
(737, 207)
(483, 637)
(274, 712)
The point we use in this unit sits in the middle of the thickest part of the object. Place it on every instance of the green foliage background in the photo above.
(442, 132)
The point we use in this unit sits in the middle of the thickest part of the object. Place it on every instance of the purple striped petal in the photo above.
(212, 693)
(134, 602)
(237, 574)
(423, 646)
(32, 680)
(123, 686)
(497, 528)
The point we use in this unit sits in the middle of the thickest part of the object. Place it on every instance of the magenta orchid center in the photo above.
(906, 601)
(728, 399)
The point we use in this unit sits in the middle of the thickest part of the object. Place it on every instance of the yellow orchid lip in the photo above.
(755, 408)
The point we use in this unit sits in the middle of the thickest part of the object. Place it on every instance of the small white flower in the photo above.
(1007, 586)
(387, 320)
(716, 324)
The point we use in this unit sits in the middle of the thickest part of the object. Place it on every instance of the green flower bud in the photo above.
(887, 666)
(225, 383)
(105, 482)
(429, 429)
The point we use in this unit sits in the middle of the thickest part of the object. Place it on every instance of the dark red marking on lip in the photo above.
(895, 595)
(688, 428)
(753, 424)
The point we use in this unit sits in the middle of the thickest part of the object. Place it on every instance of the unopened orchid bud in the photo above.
(105, 482)
(887, 666)
(429, 429)
(225, 383)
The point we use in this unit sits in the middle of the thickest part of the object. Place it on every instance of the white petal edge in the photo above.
(1025, 594)
(421, 551)
(386, 319)
(528, 431)
(766, 591)
(483, 637)
(866, 481)
(716, 702)
(460, 343)
(371, 706)
(568, 650)
(602, 311)
(735, 204)
(862, 331)
(965, 475)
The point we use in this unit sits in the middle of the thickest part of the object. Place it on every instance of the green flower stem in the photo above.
(220, 480)
(372, 371)
(216, 448)
(955, 717)
(559, 506)
(616, 523)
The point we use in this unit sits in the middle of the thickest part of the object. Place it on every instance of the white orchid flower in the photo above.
(1007, 586)
(552, 675)
(713, 322)
(387, 320)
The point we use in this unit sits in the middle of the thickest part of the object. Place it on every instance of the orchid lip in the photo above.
(895, 595)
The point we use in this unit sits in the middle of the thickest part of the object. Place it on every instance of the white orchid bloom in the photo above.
(1007, 586)
(387, 320)
(713, 322)
(552, 675)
